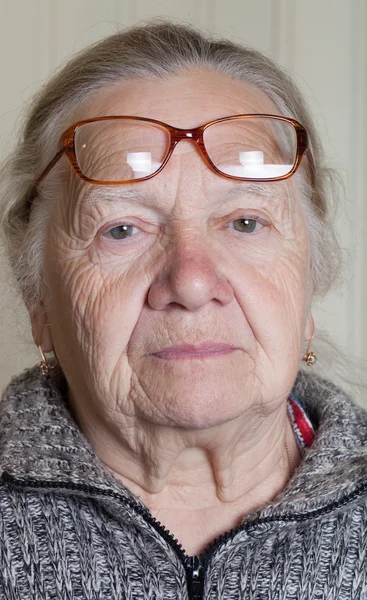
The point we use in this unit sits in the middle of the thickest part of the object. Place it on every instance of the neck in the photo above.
(198, 483)
(248, 460)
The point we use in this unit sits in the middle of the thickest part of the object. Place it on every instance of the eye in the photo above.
(121, 232)
(246, 225)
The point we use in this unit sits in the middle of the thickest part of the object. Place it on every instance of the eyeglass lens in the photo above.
(128, 150)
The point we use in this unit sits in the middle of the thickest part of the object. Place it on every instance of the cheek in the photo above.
(272, 301)
(273, 295)
(95, 309)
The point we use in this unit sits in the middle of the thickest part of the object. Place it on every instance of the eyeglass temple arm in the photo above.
(312, 166)
(33, 191)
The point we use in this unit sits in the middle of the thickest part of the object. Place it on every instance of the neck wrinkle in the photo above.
(181, 467)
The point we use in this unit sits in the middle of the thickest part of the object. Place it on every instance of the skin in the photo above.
(201, 439)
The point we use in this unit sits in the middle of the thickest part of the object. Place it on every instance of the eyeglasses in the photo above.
(125, 149)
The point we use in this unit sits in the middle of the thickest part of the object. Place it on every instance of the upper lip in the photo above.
(197, 348)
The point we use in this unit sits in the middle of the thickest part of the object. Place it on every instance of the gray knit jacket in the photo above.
(70, 531)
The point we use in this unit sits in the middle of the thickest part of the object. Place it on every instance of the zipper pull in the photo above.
(195, 577)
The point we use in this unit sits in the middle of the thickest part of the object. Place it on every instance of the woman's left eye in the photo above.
(121, 232)
(246, 225)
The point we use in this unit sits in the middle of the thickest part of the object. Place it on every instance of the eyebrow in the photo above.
(267, 189)
(96, 194)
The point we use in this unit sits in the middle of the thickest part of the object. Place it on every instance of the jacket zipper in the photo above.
(195, 566)
(195, 577)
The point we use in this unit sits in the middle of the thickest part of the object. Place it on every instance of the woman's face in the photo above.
(187, 271)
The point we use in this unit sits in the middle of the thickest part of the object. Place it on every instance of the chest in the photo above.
(58, 547)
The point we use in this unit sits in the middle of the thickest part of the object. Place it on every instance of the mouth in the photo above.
(190, 351)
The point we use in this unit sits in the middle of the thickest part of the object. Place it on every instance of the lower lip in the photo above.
(179, 354)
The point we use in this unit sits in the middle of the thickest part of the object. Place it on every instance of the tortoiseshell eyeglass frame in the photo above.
(196, 135)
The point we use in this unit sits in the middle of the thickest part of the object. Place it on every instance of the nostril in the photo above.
(191, 283)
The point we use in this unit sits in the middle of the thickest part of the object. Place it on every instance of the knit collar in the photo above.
(41, 442)
(304, 431)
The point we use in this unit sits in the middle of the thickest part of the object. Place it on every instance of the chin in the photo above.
(196, 396)
(200, 413)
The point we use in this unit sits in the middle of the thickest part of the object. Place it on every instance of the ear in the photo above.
(309, 327)
(41, 329)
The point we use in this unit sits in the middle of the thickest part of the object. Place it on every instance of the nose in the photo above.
(189, 278)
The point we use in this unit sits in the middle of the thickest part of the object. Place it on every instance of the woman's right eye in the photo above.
(121, 232)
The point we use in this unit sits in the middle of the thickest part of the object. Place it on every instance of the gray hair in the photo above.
(156, 50)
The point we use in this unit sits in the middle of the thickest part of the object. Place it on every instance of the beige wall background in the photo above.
(321, 42)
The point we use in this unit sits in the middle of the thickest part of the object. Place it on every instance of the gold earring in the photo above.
(309, 357)
(45, 366)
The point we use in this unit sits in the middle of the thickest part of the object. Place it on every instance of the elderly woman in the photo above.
(165, 215)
